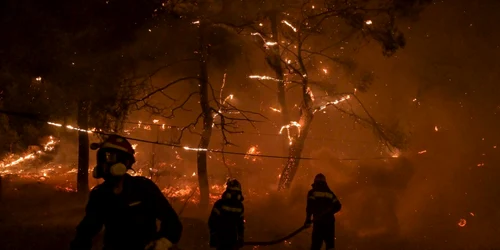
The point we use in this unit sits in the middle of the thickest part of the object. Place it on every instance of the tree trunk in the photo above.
(82, 181)
(298, 142)
(207, 120)
(295, 152)
(274, 61)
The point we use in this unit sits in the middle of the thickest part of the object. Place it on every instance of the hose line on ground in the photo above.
(274, 242)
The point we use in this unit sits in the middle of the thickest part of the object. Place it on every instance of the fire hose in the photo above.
(292, 234)
(274, 242)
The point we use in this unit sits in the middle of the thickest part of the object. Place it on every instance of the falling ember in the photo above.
(472, 214)
(271, 43)
(38, 79)
(196, 22)
(414, 100)
(156, 121)
(436, 128)
(260, 24)
(462, 223)
(275, 109)
(480, 165)
(422, 152)
(368, 22)
(289, 25)
(194, 174)
(134, 146)
(325, 71)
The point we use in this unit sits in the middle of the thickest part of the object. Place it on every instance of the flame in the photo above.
(287, 127)
(251, 152)
(264, 78)
(195, 149)
(310, 93)
(9, 162)
(335, 102)
(70, 127)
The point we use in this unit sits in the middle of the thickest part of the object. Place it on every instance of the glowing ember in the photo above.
(289, 25)
(422, 152)
(252, 152)
(264, 78)
(462, 223)
(310, 93)
(436, 128)
(195, 149)
(275, 109)
(368, 22)
(70, 127)
(335, 102)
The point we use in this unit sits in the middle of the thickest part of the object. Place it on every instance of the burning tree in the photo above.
(303, 39)
(205, 20)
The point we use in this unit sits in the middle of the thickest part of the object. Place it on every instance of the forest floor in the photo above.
(37, 216)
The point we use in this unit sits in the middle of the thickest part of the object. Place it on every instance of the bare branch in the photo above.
(180, 106)
(168, 85)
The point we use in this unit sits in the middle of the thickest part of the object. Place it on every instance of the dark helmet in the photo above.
(233, 185)
(116, 153)
(233, 190)
(320, 178)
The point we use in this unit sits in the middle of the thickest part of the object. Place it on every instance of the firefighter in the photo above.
(322, 205)
(226, 222)
(127, 206)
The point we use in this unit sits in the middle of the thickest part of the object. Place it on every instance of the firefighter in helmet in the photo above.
(322, 205)
(127, 206)
(226, 222)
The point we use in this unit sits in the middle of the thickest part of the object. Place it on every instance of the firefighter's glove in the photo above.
(160, 244)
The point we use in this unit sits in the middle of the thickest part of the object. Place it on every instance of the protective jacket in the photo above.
(322, 205)
(129, 218)
(226, 222)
